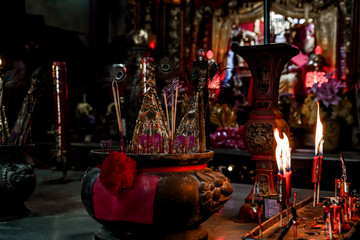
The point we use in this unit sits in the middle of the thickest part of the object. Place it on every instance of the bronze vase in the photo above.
(266, 63)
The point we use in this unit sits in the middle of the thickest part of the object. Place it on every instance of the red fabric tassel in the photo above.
(117, 172)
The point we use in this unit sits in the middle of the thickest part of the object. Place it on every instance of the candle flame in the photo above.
(282, 152)
(318, 133)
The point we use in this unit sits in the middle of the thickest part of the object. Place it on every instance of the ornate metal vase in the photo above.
(17, 181)
(171, 196)
(266, 63)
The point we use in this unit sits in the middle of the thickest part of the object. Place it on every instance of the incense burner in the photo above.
(172, 193)
(17, 181)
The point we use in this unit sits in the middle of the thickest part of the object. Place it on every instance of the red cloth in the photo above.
(301, 59)
(134, 204)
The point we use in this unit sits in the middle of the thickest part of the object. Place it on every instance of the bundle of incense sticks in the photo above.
(172, 123)
(189, 136)
(116, 96)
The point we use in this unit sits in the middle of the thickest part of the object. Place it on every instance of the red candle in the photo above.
(317, 169)
(317, 163)
(283, 159)
(284, 187)
(288, 184)
(281, 188)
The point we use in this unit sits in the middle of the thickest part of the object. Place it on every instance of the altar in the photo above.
(69, 220)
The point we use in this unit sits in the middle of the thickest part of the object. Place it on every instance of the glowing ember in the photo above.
(282, 152)
(318, 133)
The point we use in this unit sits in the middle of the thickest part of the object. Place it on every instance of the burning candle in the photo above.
(283, 159)
(317, 163)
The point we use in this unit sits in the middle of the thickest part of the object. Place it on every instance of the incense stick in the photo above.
(281, 216)
(314, 200)
(295, 224)
(167, 113)
(116, 96)
(117, 104)
(176, 96)
(172, 116)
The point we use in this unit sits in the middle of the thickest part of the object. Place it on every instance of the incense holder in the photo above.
(171, 196)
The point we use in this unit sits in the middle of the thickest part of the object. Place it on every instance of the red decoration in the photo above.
(209, 54)
(152, 44)
(318, 50)
(117, 172)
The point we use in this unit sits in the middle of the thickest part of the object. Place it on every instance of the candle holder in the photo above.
(266, 63)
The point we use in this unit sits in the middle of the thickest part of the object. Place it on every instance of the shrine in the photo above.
(179, 119)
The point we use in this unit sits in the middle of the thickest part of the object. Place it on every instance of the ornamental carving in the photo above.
(17, 181)
(263, 181)
(260, 137)
(263, 165)
(263, 75)
(215, 190)
(262, 105)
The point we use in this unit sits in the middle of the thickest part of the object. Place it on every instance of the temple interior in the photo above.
(179, 119)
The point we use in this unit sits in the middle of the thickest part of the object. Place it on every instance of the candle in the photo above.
(283, 159)
(317, 163)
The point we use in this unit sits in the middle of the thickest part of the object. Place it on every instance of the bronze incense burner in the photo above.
(187, 194)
